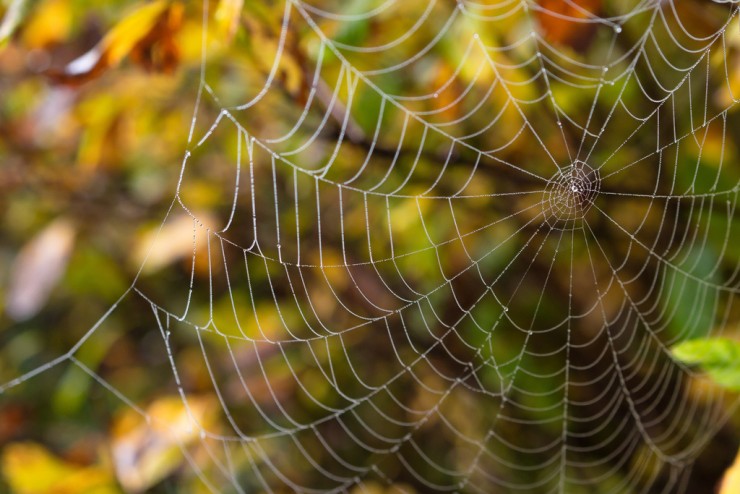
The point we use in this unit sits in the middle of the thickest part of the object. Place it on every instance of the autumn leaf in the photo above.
(146, 36)
(29, 468)
(566, 22)
(731, 480)
(227, 17)
(145, 452)
(50, 22)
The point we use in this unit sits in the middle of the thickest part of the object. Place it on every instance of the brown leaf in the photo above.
(38, 268)
(146, 36)
(565, 22)
(158, 51)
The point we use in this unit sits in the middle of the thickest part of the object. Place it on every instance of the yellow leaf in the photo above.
(146, 452)
(51, 23)
(227, 18)
(731, 480)
(30, 468)
(124, 36)
(135, 35)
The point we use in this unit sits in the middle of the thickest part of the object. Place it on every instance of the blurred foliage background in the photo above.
(96, 104)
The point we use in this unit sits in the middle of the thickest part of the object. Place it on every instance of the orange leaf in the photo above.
(567, 22)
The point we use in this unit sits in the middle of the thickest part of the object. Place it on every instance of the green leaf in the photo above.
(727, 377)
(709, 352)
(718, 357)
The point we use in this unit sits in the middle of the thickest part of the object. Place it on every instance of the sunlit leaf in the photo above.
(145, 452)
(145, 35)
(709, 351)
(50, 22)
(727, 377)
(126, 34)
(718, 357)
(227, 17)
(731, 480)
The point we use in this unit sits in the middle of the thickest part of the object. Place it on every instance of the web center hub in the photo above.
(570, 194)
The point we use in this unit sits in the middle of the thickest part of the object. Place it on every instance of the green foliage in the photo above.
(718, 357)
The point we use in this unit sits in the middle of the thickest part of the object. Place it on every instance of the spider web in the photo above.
(464, 280)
